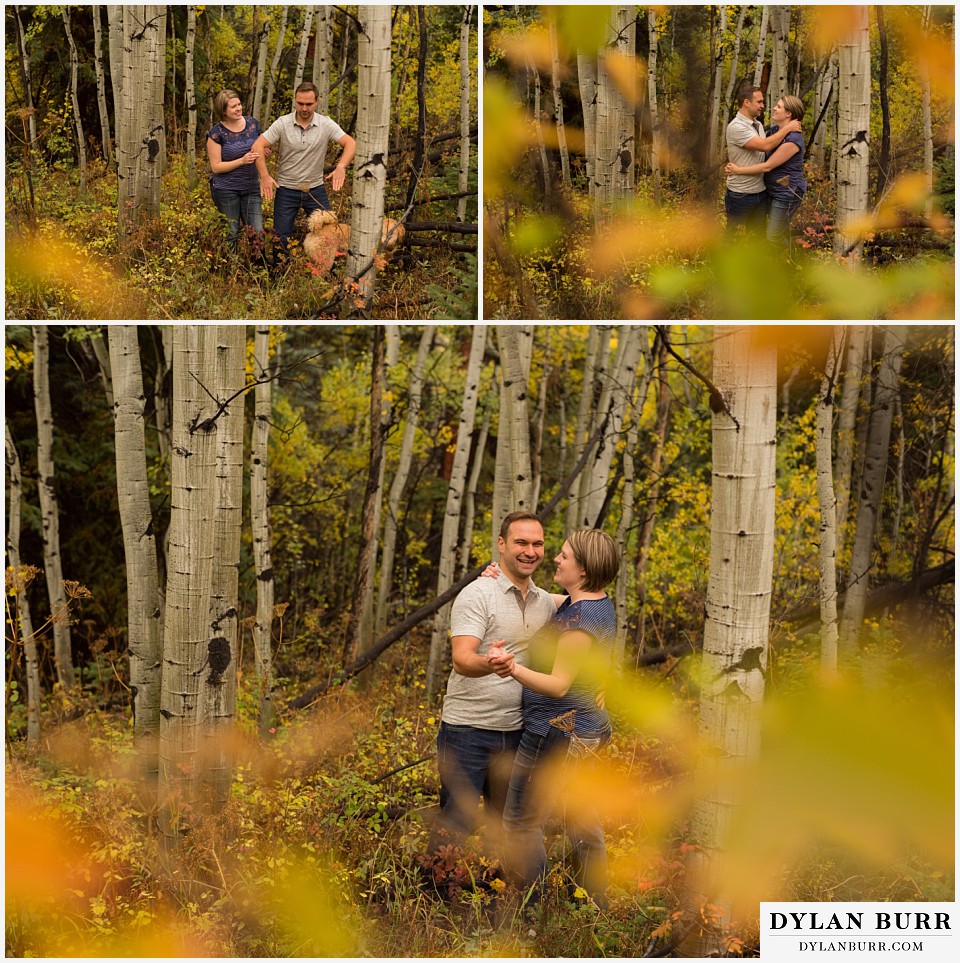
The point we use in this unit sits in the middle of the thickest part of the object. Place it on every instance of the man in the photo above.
(746, 199)
(303, 137)
(482, 718)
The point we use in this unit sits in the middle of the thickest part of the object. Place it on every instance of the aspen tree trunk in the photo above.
(463, 178)
(141, 146)
(470, 500)
(370, 163)
(898, 476)
(49, 508)
(927, 119)
(652, 53)
(75, 100)
(824, 90)
(23, 630)
(761, 44)
(536, 458)
(227, 349)
(828, 511)
(779, 66)
(399, 483)
(532, 72)
(833, 117)
(717, 52)
(115, 14)
(853, 135)
(321, 57)
(263, 45)
(736, 631)
(617, 390)
(144, 625)
(260, 525)
(420, 151)
(846, 424)
(731, 80)
(345, 42)
(515, 370)
(105, 135)
(302, 55)
(24, 58)
(587, 79)
(274, 68)
(352, 641)
(623, 530)
(871, 490)
(454, 507)
(558, 105)
(191, 94)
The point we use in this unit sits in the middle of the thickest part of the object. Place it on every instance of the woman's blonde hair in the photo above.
(597, 554)
(794, 105)
(222, 99)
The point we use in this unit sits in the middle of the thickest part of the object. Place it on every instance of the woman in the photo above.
(565, 659)
(782, 170)
(234, 183)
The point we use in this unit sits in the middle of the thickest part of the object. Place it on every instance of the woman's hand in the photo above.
(250, 157)
(491, 571)
(732, 169)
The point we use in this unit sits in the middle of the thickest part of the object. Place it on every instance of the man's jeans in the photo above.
(288, 201)
(472, 763)
(238, 207)
(747, 209)
(530, 799)
(781, 214)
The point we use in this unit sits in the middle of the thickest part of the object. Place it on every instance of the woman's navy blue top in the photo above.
(786, 182)
(234, 145)
(596, 617)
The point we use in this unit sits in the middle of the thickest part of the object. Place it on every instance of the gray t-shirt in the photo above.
(739, 131)
(303, 151)
(492, 609)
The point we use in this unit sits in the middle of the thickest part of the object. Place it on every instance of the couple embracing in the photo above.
(521, 658)
(765, 182)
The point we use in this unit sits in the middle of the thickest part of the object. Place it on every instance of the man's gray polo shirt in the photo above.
(739, 131)
(492, 609)
(303, 151)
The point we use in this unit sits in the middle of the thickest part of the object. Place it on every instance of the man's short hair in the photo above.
(307, 88)
(794, 105)
(517, 517)
(597, 554)
(746, 92)
(221, 100)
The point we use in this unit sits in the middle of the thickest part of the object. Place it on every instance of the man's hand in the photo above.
(267, 186)
(793, 127)
(501, 662)
(337, 176)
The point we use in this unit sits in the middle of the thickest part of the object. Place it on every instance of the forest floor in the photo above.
(64, 261)
(319, 848)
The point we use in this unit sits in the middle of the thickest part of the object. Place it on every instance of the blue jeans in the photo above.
(472, 763)
(237, 207)
(528, 805)
(781, 214)
(750, 210)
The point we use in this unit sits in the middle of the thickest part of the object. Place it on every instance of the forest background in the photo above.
(603, 189)
(78, 108)
(272, 791)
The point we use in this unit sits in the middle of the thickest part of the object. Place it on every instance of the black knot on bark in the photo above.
(218, 655)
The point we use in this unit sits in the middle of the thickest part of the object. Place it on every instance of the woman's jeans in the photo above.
(779, 218)
(533, 792)
(238, 207)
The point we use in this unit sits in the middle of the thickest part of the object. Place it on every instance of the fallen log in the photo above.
(447, 227)
(440, 242)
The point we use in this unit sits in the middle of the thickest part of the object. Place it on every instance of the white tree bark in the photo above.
(738, 601)
(827, 501)
(717, 83)
(402, 474)
(302, 55)
(27, 81)
(20, 608)
(558, 105)
(49, 508)
(260, 525)
(761, 44)
(653, 50)
(454, 507)
(587, 79)
(534, 74)
(846, 424)
(824, 89)
(470, 499)
(263, 45)
(370, 163)
(853, 135)
(871, 490)
(780, 30)
(927, 121)
(191, 93)
(75, 100)
(463, 178)
(731, 80)
(141, 142)
(321, 57)
(515, 370)
(105, 133)
(115, 14)
(274, 67)
(144, 626)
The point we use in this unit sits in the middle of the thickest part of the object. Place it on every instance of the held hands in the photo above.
(501, 662)
(337, 176)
